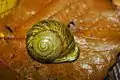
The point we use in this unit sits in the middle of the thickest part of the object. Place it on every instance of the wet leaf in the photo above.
(97, 33)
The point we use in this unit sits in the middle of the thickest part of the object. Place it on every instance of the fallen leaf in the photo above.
(96, 31)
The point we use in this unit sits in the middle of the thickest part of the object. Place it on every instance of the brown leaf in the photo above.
(97, 33)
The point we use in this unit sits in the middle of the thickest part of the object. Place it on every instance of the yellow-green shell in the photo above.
(51, 42)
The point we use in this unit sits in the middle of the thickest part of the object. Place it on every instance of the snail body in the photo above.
(49, 41)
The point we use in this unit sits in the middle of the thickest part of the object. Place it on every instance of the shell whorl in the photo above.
(50, 41)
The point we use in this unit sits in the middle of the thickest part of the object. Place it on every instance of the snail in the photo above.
(50, 41)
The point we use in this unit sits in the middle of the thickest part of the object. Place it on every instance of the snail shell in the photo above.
(49, 41)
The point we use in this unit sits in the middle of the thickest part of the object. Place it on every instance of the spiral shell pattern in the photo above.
(50, 41)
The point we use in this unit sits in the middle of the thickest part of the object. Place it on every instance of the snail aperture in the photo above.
(49, 41)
